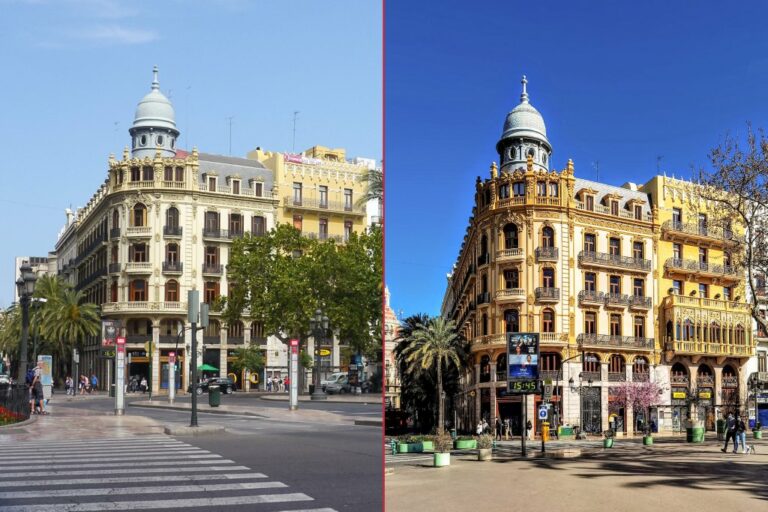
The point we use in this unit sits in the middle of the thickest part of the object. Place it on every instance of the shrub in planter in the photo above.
(608, 439)
(465, 443)
(427, 443)
(443, 444)
(485, 447)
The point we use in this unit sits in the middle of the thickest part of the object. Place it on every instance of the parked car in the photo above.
(340, 385)
(333, 378)
(226, 384)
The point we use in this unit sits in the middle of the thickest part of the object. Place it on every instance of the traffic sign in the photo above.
(543, 412)
(547, 392)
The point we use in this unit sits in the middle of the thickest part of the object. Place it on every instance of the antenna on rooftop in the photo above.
(658, 163)
(230, 134)
(596, 167)
(295, 117)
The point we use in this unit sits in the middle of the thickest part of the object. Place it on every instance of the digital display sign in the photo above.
(523, 362)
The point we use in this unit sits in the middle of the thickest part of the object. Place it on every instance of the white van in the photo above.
(334, 378)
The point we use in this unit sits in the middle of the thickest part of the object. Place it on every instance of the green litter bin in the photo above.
(112, 391)
(694, 434)
(214, 396)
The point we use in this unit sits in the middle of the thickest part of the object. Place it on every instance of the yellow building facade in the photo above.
(318, 190)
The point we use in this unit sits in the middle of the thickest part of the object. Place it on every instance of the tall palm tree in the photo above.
(435, 344)
(375, 189)
(71, 319)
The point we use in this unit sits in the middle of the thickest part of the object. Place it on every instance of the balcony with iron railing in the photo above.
(614, 261)
(702, 268)
(483, 259)
(212, 269)
(681, 380)
(699, 232)
(114, 233)
(641, 377)
(585, 376)
(705, 381)
(483, 298)
(115, 268)
(545, 294)
(730, 381)
(639, 302)
(173, 267)
(616, 300)
(591, 298)
(510, 295)
(315, 204)
(172, 231)
(606, 210)
(235, 233)
(608, 340)
(510, 254)
(707, 348)
(617, 376)
(215, 233)
(546, 253)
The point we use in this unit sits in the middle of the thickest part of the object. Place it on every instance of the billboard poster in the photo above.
(109, 330)
(45, 363)
(523, 362)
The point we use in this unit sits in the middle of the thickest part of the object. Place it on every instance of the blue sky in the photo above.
(73, 71)
(619, 83)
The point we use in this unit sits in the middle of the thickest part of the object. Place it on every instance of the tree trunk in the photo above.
(439, 397)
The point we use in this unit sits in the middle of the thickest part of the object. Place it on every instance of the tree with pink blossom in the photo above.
(641, 396)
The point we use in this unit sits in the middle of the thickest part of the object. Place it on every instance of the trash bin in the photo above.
(214, 396)
(112, 390)
(453, 434)
(311, 389)
(545, 431)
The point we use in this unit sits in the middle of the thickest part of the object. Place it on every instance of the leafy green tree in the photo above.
(249, 358)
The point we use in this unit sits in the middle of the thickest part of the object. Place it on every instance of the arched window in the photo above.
(547, 320)
(172, 253)
(172, 291)
(640, 368)
(510, 236)
(617, 365)
(501, 367)
(549, 362)
(484, 245)
(235, 332)
(257, 332)
(591, 363)
(115, 219)
(511, 320)
(740, 335)
(139, 215)
(688, 333)
(172, 217)
(212, 332)
(547, 237)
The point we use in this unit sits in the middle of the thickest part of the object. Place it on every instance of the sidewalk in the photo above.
(367, 398)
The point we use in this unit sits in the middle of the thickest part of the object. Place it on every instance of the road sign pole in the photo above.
(171, 376)
(525, 425)
(294, 373)
(120, 377)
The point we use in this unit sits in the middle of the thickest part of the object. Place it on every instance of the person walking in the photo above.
(486, 427)
(498, 429)
(741, 432)
(94, 382)
(529, 430)
(68, 386)
(506, 429)
(730, 431)
(143, 384)
(479, 429)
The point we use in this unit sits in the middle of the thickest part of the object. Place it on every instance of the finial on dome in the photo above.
(524, 95)
(155, 81)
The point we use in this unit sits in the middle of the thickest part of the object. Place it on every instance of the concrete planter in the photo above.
(485, 454)
(442, 459)
(647, 440)
(465, 444)
(427, 446)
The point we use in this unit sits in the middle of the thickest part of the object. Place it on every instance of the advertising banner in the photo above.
(46, 370)
(523, 362)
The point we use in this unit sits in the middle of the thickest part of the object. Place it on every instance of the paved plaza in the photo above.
(671, 474)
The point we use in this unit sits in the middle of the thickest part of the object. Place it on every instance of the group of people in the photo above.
(736, 429)
(138, 383)
(503, 428)
(85, 384)
(278, 385)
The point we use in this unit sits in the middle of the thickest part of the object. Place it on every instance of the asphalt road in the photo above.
(340, 466)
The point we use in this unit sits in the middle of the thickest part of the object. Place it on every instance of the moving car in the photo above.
(340, 385)
(333, 378)
(226, 384)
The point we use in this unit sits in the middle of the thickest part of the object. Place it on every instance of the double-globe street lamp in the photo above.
(580, 391)
(319, 326)
(26, 287)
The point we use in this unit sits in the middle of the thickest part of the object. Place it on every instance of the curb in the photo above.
(193, 431)
(369, 423)
(29, 421)
(279, 398)
(210, 411)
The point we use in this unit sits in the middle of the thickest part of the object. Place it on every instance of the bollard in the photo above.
(393, 445)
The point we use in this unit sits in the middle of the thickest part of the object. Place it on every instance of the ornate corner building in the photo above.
(163, 222)
(606, 275)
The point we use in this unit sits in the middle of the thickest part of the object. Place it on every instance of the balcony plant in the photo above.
(443, 444)
(485, 447)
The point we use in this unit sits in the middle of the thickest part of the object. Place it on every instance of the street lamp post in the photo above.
(319, 326)
(580, 391)
(26, 287)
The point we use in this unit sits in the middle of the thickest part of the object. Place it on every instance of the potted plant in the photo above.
(406, 444)
(443, 444)
(608, 438)
(756, 432)
(485, 447)
(427, 443)
(465, 443)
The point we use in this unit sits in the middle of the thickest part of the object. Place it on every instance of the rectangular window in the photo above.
(323, 196)
(639, 327)
(702, 255)
(615, 208)
(211, 291)
(590, 281)
(168, 173)
(258, 226)
(138, 290)
(211, 221)
(677, 287)
(135, 174)
(347, 230)
(172, 253)
(138, 253)
(348, 199)
(726, 293)
(179, 175)
(297, 194)
(590, 203)
(548, 278)
(236, 186)
(211, 184)
(172, 291)
(553, 190)
(703, 223)
(637, 250)
(235, 224)
(511, 279)
(149, 173)
(677, 216)
(211, 255)
(590, 323)
(615, 325)
(518, 188)
(703, 290)
(614, 246)
(589, 242)
(762, 362)
(638, 212)
(677, 251)
(504, 191)
(541, 188)
(638, 288)
(323, 229)
(297, 222)
(615, 285)
(258, 189)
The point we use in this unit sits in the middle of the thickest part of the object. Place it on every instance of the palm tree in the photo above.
(70, 319)
(435, 344)
(375, 190)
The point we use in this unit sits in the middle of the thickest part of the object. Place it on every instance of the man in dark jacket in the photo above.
(730, 432)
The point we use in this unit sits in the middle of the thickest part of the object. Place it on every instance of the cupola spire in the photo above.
(523, 95)
(156, 82)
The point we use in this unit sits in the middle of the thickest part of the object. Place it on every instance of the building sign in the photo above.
(523, 362)
(705, 395)
(679, 395)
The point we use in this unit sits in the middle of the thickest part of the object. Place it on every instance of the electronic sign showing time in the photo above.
(523, 363)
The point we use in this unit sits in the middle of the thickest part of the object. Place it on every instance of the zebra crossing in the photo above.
(135, 473)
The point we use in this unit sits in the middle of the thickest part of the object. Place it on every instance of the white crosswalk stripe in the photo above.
(135, 475)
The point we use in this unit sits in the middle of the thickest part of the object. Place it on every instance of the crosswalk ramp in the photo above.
(138, 473)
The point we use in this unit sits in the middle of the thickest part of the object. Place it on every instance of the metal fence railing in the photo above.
(14, 403)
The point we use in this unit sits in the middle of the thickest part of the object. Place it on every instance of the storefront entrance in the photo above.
(591, 412)
(507, 409)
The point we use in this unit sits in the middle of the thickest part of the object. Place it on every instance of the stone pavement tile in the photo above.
(670, 475)
(80, 424)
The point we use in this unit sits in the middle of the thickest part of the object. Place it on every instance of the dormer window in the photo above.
(211, 183)
(258, 189)
(589, 202)
(638, 212)
(236, 186)
(615, 208)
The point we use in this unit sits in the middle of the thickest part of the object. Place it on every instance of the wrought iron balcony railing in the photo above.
(547, 294)
(614, 260)
(546, 254)
(607, 340)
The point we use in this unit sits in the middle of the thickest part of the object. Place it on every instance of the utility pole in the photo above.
(295, 117)
(596, 167)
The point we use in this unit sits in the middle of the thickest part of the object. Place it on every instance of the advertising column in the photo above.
(523, 371)
(120, 377)
(294, 374)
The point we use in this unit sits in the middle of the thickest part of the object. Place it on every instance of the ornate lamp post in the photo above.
(26, 287)
(319, 326)
(580, 391)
